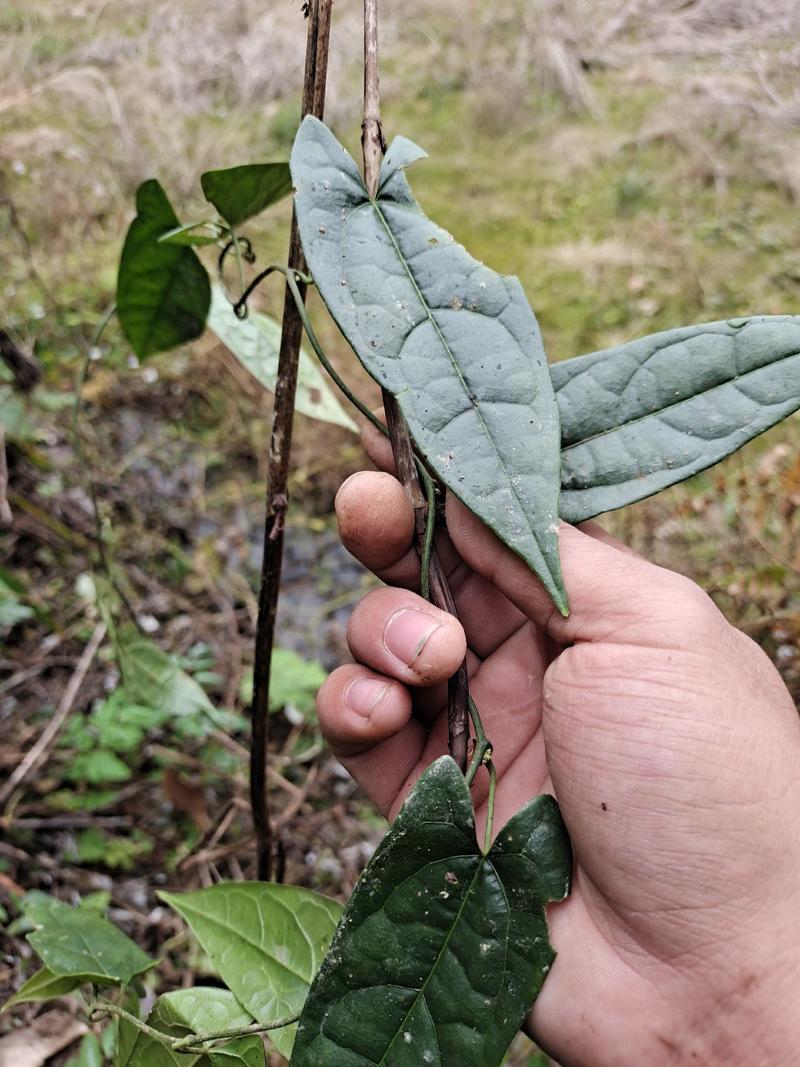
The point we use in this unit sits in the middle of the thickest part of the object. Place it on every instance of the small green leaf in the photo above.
(457, 344)
(442, 948)
(12, 607)
(200, 1011)
(255, 341)
(266, 942)
(97, 768)
(185, 235)
(163, 291)
(648, 414)
(77, 942)
(44, 985)
(293, 682)
(153, 679)
(238, 193)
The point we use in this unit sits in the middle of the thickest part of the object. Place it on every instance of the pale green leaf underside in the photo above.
(256, 341)
(648, 414)
(441, 949)
(457, 344)
(266, 942)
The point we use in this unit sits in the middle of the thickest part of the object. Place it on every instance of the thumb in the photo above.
(613, 595)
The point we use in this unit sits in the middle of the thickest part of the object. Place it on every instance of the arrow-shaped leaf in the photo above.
(441, 949)
(163, 290)
(649, 414)
(266, 942)
(457, 344)
(238, 193)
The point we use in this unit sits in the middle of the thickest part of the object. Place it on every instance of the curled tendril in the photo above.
(240, 307)
(248, 255)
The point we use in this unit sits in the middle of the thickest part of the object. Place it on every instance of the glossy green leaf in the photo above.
(238, 193)
(457, 344)
(648, 414)
(441, 949)
(256, 341)
(266, 941)
(43, 985)
(77, 942)
(200, 1011)
(163, 291)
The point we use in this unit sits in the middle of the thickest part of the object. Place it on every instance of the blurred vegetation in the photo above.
(636, 165)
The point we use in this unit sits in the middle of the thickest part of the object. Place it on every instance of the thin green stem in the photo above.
(487, 839)
(186, 1044)
(483, 746)
(191, 1043)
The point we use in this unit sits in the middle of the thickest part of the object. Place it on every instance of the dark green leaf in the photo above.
(77, 942)
(441, 949)
(266, 942)
(457, 344)
(255, 341)
(238, 193)
(44, 985)
(191, 1011)
(163, 292)
(648, 414)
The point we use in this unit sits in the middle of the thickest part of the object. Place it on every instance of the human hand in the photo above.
(667, 737)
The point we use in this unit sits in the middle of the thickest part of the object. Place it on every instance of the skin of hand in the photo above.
(668, 739)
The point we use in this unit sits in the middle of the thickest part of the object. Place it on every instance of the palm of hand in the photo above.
(637, 713)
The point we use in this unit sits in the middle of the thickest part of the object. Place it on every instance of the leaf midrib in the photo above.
(421, 992)
(214, 920)
(485, 429)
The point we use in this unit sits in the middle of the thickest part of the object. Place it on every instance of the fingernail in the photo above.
(406, 634)
(363, 694)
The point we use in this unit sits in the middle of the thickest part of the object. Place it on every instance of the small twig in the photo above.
(48, 735)
(279, 455)
(373, 145)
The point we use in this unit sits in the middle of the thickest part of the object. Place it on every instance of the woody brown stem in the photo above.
(277, 503)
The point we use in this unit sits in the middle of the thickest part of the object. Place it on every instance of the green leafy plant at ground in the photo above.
(457, 348)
